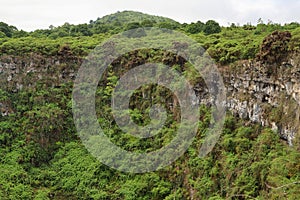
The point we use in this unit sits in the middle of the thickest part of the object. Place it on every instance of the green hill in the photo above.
(125, 17)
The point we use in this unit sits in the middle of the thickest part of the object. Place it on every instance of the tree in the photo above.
(212, 27)
(101, 28)
(6, 29)
(2, 35)
(19, 34)
(84, 30)
(148, 23)
(133, 30)
(195, 27)
(168, 25)
(132, 25)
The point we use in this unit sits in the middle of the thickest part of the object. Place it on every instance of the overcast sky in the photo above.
(37, 14)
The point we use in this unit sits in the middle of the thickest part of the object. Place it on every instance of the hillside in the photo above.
(126, 17)
(256, 157)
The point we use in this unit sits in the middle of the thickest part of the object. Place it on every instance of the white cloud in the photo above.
(278, 11)
(34, 14)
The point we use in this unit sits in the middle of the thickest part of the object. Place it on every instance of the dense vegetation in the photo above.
(225, 44)
(41, 156)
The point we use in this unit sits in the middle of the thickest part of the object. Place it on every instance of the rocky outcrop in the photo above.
(270, 99)
(17, 72)
(259, 93)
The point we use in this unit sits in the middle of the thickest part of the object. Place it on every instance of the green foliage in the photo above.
(132, 25)
(130, 16)
(7, 30)
(148, 23)
(148, 186)
(248, 161)
(41, 156)
(2, 35)
(225, 44)
(168, 25)
(195, 27)
(211, 27)
(236, 43)
(79, 46)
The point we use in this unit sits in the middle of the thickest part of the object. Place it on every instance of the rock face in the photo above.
(259, 93)
(19, 72)
(270, 99)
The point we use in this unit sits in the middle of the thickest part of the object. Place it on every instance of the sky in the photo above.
(30, 15)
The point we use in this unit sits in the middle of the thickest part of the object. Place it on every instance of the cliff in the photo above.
(256, 92)
(266, 94)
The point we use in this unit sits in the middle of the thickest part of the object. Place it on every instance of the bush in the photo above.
(274, 48)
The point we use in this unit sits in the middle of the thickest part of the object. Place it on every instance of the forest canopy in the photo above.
(224, 44)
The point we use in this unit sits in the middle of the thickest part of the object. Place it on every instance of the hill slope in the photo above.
(132, 16)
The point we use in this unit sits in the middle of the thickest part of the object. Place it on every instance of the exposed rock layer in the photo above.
(269, 95)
